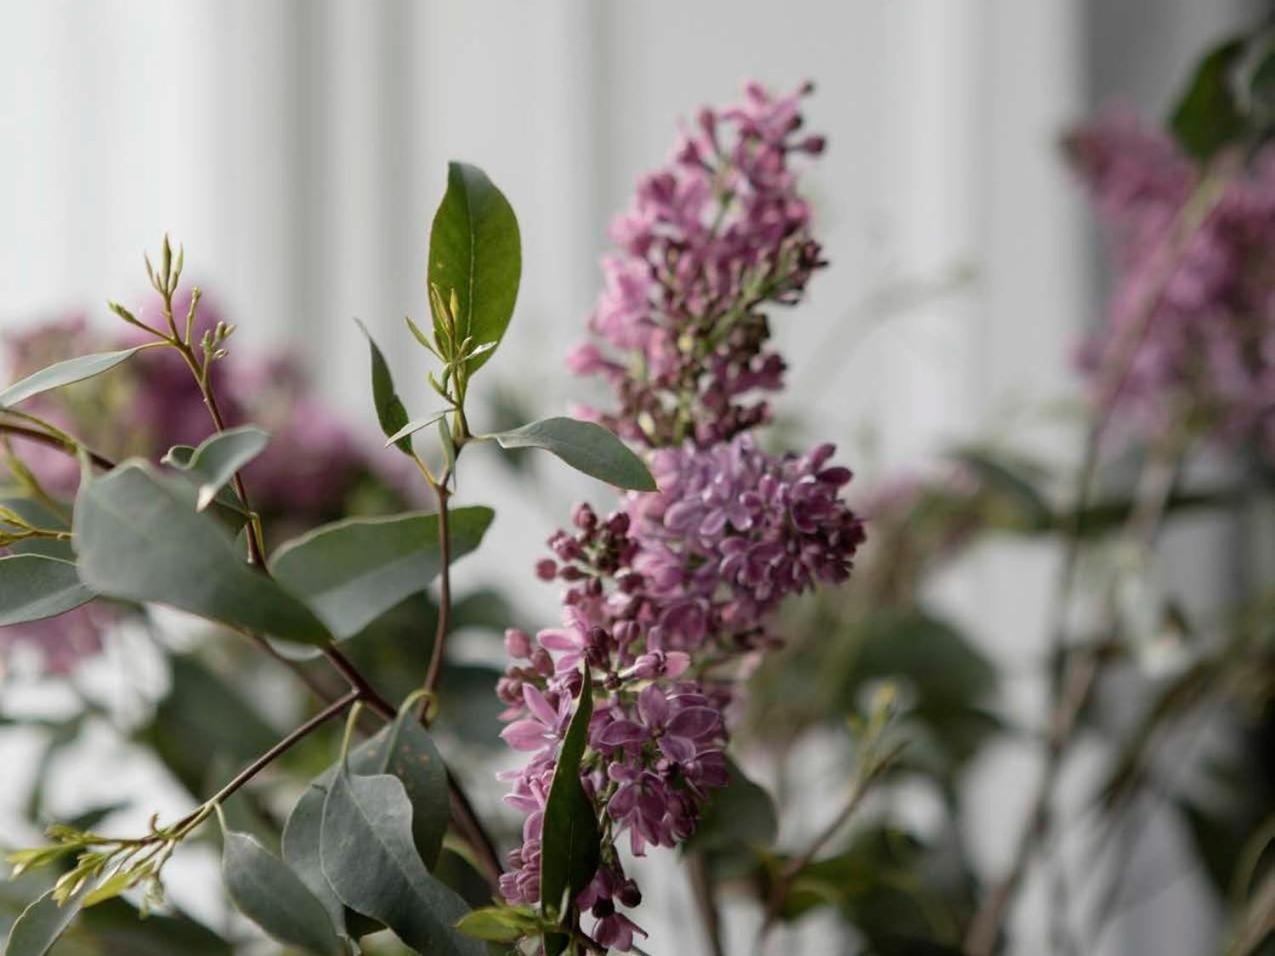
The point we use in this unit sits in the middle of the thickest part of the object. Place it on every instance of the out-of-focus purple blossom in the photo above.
(1190, 339)
(710, 240)
(145, 406)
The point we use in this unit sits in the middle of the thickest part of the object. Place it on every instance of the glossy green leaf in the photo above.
(585, 446)
(33, 587)
(569, 845)
(139, 538)
(214, 463)
(1208, 115)
(371, 863)
(353, 571)
(475, 251)
(500, 924)
(64, 373)
(40, 925)
(390, 411)
(270, 894)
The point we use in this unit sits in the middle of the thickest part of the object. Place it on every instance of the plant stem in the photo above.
(1075, 673)
(52, 441)
(444, 600)
(705, 901)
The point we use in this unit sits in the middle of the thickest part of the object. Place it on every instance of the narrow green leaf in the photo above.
(1208, 115)
(585, 446)
(33, 587)
(353, 571)
(139, 538)
(41, 925)
(412, 427)
(390, 411)
(475, 251)
(569, 846)
(500, 924)
(64, 373)
(270, 894)
(371, 863)
(213, 464)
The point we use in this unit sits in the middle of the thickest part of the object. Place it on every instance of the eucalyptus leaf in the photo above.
(740, 813)
(139, 538)
(390, 411)
(569, 850)
(300, 849)
(475, 251)
(41, 925)
(371, 862)
(585, 446)
(353, 571)
(270, 894)
(64, 373)
(33, 587)
(412, 427)
(40, 515)
(214, 463)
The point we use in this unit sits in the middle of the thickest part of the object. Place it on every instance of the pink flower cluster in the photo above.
(667, 598)
(1192, 319)
(709, 241)
(311, 466)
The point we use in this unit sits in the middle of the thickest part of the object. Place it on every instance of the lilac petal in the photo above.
(622, 732)
(694, 722)
(525, 735)
(653, 706)
(538, 706)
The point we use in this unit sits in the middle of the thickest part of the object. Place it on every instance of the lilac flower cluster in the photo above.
(667, 599)
(1192, 317)
(710, 239)
(312, 465)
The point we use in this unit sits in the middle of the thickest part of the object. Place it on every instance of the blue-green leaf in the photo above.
(569, 845)
(34, 586)
(585, 446)
(41, 925)
(371, 863)
(213, 464)
(475, 251)
(270, 894)
(64, 373)
(139, 538)
(353, 571)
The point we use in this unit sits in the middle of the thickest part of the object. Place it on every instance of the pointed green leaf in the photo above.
(270, 894)
(33, 586)
(585, 446)
(1208, 115)
(412, 427)
(569, 844)
(738, 814)
(41, 925)
(64, 373)
(371, 863)
(300, 848)
(139, 538)
(475, 251)
(390, 411)
(213, 464)
(353, 571)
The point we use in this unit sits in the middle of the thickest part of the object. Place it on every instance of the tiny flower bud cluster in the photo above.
(666, 599)
(710, 239)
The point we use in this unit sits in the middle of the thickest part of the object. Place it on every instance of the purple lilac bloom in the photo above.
(667, 598)
(711, 238)
(1203, 355)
